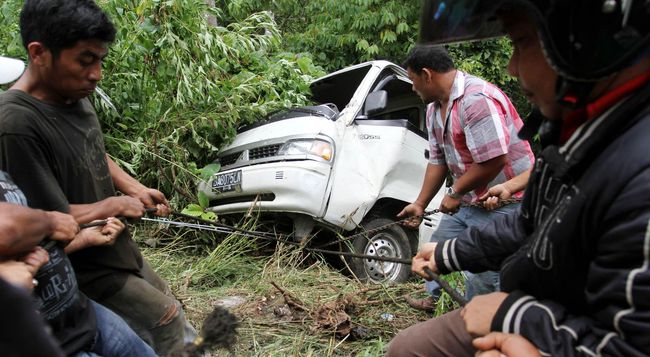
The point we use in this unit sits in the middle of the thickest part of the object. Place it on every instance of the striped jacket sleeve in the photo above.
(482, 248)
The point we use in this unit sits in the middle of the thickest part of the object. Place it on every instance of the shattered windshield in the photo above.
(329, 94)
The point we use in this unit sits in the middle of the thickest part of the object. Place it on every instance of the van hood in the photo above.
(282, 130)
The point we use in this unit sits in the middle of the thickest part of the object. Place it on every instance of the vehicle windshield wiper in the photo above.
(307, 110)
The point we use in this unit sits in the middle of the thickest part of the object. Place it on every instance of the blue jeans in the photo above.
(114, 337)
(449, 228)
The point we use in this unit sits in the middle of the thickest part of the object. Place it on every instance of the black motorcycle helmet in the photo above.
(583, 40)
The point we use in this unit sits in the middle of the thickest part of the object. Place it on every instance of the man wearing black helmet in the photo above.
(575, 261)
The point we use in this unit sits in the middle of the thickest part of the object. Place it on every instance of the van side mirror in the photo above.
(375, 102)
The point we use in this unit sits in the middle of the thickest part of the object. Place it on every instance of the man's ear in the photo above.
(39, 54)
(427, 74)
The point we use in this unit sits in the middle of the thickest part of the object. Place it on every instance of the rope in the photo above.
(371, 232)
(453, 293)
(223, 228)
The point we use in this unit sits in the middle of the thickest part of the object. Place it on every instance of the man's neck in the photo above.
(621, 77)
(605, 94)
(446, 81)
(35, 86)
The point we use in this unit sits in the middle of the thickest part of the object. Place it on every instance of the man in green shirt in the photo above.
(52, 145)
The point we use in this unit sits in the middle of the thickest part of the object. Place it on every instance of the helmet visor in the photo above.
(583, 40)
(455, 21)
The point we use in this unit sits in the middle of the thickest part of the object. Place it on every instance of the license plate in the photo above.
(227, 182)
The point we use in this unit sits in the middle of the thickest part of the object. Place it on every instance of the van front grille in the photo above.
(263, 151)
(229, 159)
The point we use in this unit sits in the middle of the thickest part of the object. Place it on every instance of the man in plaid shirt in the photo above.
(472, 127)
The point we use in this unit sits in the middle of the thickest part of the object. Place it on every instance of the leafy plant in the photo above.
(340, 33)
(184, 86)
(10, 41)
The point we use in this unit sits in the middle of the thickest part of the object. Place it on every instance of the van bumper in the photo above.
(287, 186)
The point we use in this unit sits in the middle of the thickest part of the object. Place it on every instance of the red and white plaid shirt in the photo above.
(481, 124)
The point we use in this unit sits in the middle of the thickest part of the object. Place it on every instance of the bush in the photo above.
(339, 33)
(181, 86)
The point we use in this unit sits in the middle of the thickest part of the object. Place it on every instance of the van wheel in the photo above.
(390, 242)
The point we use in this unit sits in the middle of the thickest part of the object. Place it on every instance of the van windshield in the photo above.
(338, 88)
(329, 95)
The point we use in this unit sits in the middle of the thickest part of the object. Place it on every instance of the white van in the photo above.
(353, 159)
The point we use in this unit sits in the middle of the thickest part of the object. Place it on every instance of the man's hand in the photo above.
(96, 236)
(153, 198)
(480, 311)
(492, 198)
(425, 258)
(449, 205)
(498, 344)
(17, 273)
(64, 226)
(414, 210)
(21, 273)
(36, 259)
(126, 206)
(107, 234)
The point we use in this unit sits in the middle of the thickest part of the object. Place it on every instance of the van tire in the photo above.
(392, 241)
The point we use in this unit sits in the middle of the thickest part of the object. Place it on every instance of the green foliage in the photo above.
(227, 261)
(10, 41)
(209, 170)
(182, 86)
(195, 210)
(340, 33)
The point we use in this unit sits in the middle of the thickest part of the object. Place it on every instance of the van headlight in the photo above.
(315, 147)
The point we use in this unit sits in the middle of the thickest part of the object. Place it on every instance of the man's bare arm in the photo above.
(123, 182)
(117, 206)
(433, 179)
(478, 175)
(128, 185)
(22, 228)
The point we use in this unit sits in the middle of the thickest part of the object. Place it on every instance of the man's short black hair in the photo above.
(429, 56)
(60, 24)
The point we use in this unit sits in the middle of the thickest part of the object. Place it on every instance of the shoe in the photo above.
(427, 304)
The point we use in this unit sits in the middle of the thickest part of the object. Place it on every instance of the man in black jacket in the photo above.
(575, 260)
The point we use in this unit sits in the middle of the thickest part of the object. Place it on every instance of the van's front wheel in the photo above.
(390, 242)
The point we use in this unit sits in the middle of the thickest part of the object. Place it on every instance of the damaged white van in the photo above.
(351, 161)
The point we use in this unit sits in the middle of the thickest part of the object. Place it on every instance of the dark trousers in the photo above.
(149, 307)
